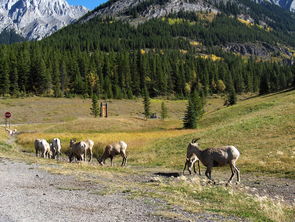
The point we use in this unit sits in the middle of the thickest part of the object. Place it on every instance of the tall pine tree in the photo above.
(146, 103)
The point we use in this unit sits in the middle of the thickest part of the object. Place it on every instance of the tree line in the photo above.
(28, 68)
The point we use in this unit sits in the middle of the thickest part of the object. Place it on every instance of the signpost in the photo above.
(7, 118)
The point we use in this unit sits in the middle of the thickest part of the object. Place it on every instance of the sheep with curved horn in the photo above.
(215, 157)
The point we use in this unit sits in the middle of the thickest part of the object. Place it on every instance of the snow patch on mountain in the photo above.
(36, 19)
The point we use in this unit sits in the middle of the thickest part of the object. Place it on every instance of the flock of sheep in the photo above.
(210, 157)
(79, 150)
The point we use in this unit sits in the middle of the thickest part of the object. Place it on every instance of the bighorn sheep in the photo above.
(80, 149)
(11, 132)
(112, 150)
(190, 162)
(41, 145)
(215, 157)
(55, 148)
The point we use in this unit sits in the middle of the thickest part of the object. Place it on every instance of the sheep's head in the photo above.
(100, 160)
(194, 142)
(72, 141)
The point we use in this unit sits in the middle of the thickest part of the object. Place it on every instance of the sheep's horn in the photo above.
(195, 140)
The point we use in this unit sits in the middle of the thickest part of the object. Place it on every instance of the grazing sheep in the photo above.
(112, 150)
(78, 150)
(11, 132)
(55, 148)
(215, 157)
(190, 162)
(41, 145)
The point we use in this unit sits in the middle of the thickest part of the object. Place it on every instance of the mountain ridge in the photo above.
(36, 19)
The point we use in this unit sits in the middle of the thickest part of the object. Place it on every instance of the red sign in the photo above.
(7, 115)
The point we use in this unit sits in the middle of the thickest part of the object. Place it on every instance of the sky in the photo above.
(90, 4)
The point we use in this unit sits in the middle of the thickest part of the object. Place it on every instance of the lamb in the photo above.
(41, 145)
(215, 157)
(80, 149)
(190, 162)
(55, 148)
(112, 150)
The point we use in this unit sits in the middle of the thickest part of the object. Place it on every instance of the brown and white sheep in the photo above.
(77, 149)
(112, 150)
(80, 149)
(217, 157)
(42, 146)
(55, 148)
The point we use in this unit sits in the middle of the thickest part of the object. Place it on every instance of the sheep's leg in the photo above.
(125, 162)
(238, 173)
(124, 156)
(111, 160)
(36, 153)
(194, 164)
(199, 167)
(70, 157)
(208, 173)
(189, 168)
(232, 173)
(85, 154)
(184, 167)
(91, 154)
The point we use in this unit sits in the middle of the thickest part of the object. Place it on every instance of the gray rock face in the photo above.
(119, 7)
(256, 49)
(36, 19)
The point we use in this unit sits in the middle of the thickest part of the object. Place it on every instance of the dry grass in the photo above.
(55, 110)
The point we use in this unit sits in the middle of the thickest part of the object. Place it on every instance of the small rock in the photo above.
(44, 193)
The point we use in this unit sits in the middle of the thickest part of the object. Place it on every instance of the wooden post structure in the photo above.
(103, 110)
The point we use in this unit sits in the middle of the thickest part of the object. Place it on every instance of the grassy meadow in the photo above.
(262, 128)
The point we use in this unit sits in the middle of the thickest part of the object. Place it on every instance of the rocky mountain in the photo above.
(36, 19)
(149, 9)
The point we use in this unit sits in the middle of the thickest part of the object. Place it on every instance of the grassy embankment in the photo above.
(262, 128)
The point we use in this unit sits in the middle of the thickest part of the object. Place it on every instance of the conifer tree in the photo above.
(231, 97)
(194, 111)
(146, 103)
(95, 107)
(190, 118)
(164, 111)
(4, 78)
(15, 90)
